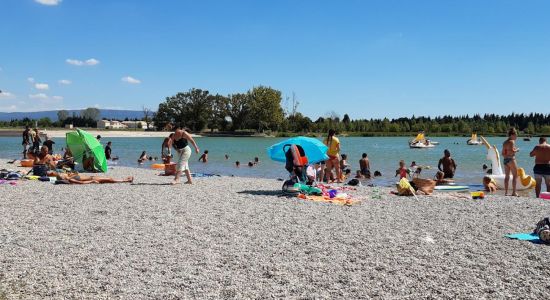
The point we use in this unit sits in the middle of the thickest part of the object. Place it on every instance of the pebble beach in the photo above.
(233, 237)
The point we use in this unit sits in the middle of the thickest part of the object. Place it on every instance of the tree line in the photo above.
(262, 109)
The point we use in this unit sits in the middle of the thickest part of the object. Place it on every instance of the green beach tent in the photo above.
(81, 144)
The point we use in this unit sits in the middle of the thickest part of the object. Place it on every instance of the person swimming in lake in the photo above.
(142, 158)
(226, 157)
(204, 157)
(509, 151)
(250, 164)
(237, 164)
(75, 178)
(256, 160)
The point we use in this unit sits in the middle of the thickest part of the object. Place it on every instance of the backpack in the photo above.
(543, 230)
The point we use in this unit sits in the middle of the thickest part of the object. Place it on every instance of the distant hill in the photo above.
(52, 114)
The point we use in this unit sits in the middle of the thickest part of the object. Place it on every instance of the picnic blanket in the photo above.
(348, 201)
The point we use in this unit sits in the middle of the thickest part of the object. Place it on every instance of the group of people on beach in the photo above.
(336, 168)
(540, 152)
(176, 148)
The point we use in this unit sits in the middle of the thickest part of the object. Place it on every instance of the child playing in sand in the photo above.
(403, 172)
(489, 184)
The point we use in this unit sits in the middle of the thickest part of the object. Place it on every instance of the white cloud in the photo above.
(6, 95)
(41, 86)
(76, 62)
(30, 79)
(65, 81)
(48, 2)
(57, 98)
(131, 80)
(92, 62)
(8, 108)
(41, 96)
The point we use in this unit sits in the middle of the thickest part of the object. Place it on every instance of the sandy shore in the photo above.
(60, 133)
(238, 238)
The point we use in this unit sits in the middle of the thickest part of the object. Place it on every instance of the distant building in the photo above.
(107, 124)
(138, 124)
(68, 126)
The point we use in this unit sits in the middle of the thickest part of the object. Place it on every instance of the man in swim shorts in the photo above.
(509, 151)
(447, 165)
(541, 153)
(364, 165)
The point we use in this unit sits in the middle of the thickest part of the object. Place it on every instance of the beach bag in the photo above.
(289, 188)
(542, 229)
(40, 170)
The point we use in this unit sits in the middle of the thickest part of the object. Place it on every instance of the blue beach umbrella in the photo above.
(315, 150)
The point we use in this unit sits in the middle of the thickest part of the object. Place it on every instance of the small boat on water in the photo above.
(420, 142)
(474, 140)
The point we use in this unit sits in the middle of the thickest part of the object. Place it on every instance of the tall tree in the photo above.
(90, 113)
(147, 114)
(62, 115)
(265, 106)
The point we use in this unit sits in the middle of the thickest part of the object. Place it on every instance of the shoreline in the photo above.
(60, 133)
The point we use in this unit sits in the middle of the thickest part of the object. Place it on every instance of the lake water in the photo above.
(384, 154)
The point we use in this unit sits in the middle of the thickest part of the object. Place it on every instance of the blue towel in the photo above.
(524, 237)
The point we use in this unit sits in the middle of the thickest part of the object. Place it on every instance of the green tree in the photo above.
(90, 113)
(62, 115)
(265, 107)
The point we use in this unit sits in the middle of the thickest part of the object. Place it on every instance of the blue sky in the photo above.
(365, 58)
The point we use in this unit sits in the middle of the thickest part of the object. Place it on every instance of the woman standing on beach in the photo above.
(509, 151)
(333, 153)
(180, 142)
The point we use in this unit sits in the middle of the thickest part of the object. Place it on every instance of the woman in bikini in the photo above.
(509, 151)
(333, 153)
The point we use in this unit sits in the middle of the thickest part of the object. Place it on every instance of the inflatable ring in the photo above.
(158, 166)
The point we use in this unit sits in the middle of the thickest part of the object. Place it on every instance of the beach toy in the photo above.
(545, 195)
(451, 188)
(27, 163)
(158, 166)
(478, 195)
(332, 193)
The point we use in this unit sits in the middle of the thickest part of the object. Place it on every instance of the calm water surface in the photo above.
(384, 153)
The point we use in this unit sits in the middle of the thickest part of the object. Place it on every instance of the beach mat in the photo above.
(530, 237)
(348, 202)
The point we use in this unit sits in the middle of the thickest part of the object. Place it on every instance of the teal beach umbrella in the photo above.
(314, 149)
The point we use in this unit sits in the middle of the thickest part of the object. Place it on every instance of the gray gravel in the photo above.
(237, 238)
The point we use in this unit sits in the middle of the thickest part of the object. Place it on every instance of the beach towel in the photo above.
(531, 237)
(338, 201)
(203, 175)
